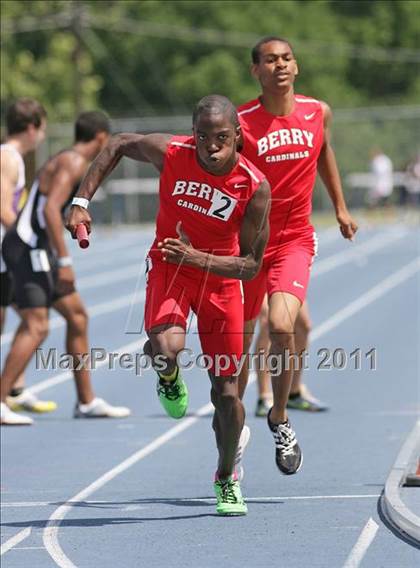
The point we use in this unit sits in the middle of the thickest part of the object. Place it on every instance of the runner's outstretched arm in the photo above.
(253, 239)
(143, 148)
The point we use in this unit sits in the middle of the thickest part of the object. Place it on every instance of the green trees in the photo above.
(159, 57)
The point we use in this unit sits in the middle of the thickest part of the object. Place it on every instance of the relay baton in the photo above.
(82, 236)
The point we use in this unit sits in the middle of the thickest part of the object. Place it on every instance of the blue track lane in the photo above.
(160, 510)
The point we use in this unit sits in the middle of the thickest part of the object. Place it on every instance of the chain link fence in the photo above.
(130, 194)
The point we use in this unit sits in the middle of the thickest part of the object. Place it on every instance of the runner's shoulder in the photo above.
(303, 99)
(64, 162)
(178, 144)
(9, 164)
(249, 108)
(312, 103)
(255, 174)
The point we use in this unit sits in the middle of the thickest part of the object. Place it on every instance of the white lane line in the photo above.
(363, 542)
(25, 504)
(67, 375)
(99, 254)
(50, 535)
(111, 276)
(358, 253)
(120, 274)
(112, 243)
(211, 500)
(315, 497)
(19, 504)
(94, 260)
(373, 294)
(329, 235)
(29, 548)
(15, 540)
(320, 267)
(93, 311)
(60, 378)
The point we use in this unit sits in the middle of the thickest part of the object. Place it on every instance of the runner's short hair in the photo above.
(216, 104)
(255, 53)
(22, 113)
(88, 124)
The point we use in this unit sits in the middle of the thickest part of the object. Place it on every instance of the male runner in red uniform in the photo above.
(221, 201)
(287, 137)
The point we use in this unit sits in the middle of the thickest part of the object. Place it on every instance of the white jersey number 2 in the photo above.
(222, 206)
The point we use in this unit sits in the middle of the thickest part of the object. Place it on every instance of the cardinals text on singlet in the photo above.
(286, 148)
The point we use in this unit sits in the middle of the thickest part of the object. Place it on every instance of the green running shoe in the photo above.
(304, 400)
(173, 396)
(229, 497)
(263, 407)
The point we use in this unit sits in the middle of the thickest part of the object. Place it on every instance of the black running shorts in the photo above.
(34, 273)
(6, 289)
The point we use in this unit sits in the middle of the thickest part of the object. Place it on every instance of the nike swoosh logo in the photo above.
(309, 116)
(238, 185)
(297, 284)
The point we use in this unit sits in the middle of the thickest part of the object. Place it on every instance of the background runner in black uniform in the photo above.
(36, 254)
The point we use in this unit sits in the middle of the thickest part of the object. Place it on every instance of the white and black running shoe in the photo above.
(99, 408)
(288, 453)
